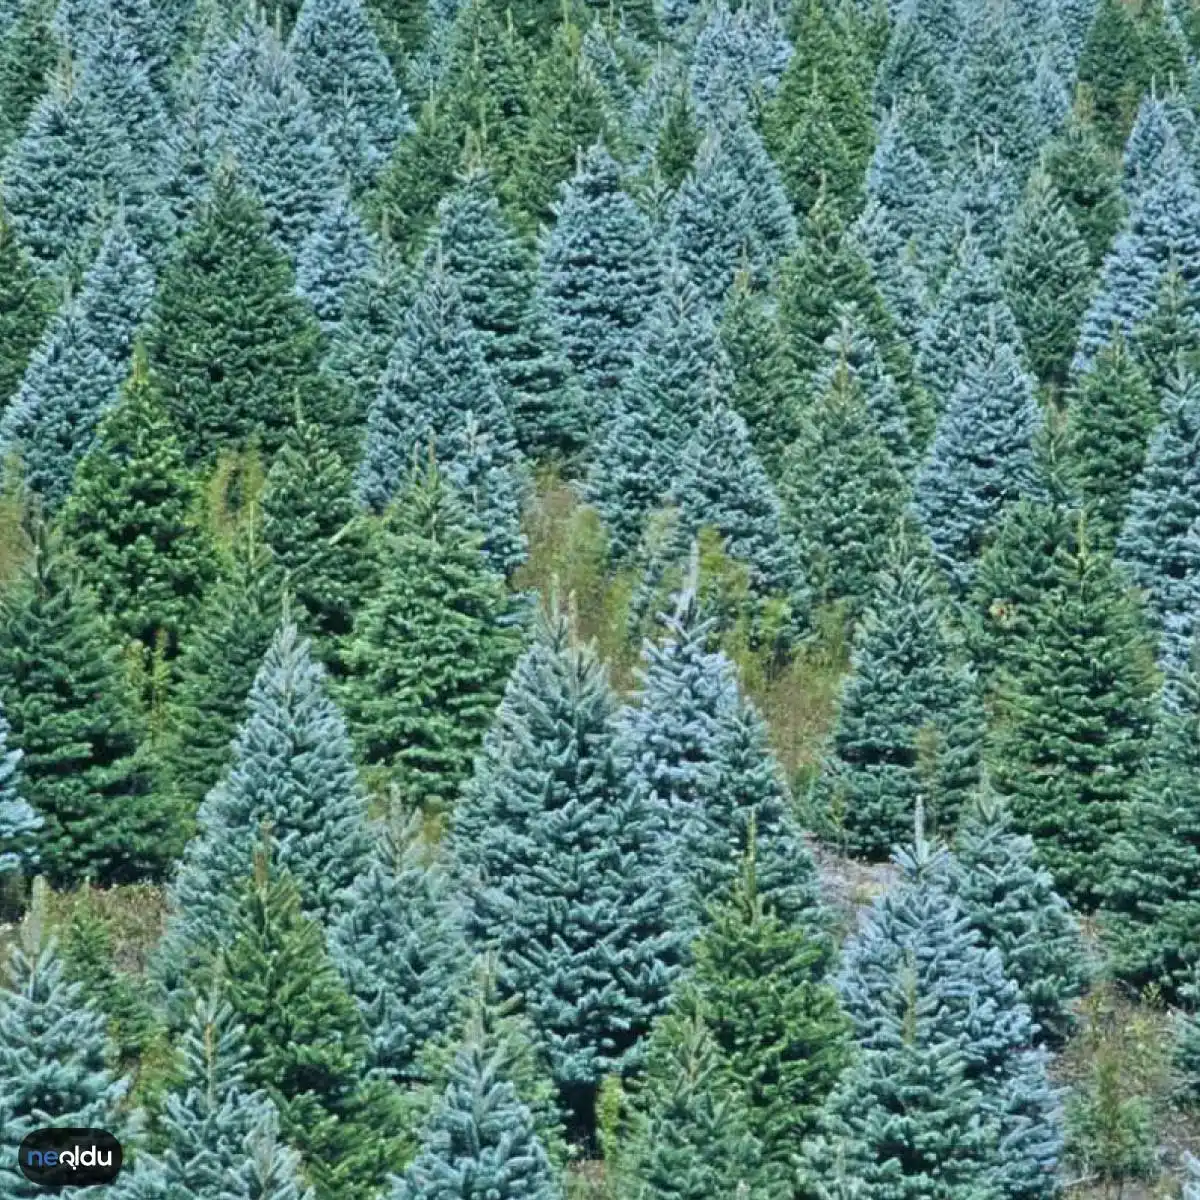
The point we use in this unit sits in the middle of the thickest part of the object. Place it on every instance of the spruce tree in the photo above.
(843, 494)
(1010, 900)
(981, 459)
(132, 522)
(498, 284)
(53, 1052)
(1170, 334)
(292, 781)
(1159, 236)
(762, 986)
(399, 945)
(917, 976)
(306, 1040)
(1111, 413)
(341, 66)
(1112, 67)
(981, 197)
(214, 673)
(334, 263)
(74, 717)
(1047, 279)
(731, 212)
(28, 50)
(25, 307)
(1074, 715)
(1147, 913)
(1153, 544)
(910, 723)
(19, 824)
(75, 374)
(600, 273)
(319, 540)
(231, 346)
(763, 387)
(432, 649)
(695, 751)
(1159, 121)
(1089, 183)
(480, 1141)
(689, 1134)
(547, 806)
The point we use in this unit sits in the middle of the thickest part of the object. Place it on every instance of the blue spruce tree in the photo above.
(74, 377)
(19, 823)
(335, 260)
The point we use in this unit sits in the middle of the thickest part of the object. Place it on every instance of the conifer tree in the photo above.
(74, 717)
(981, 196)
(1160, 236)
(1010, 900)
(498, 284)
(1148, 908)
(292, 772)
(132, 522)
(1086, 178)
(600, 273)
(970, 309)
(341, 66)
(230, 344)
(28, 50)
(901, 183)
(1112, 66)
(19, 824)
(400, 947)
(1074, 717)
(25, 307)
(53, 1067)
(695, 751)
(334, 262)
(547, 805)
(1047, 279)
(762, 391)
(910, 723)
(432, 649)
(214, 673)
(731, 212)
(843, 494)
(318, 538)
(1153, 544)
(916, 978)
(480, 1141)
(1111, 413)
(75, 374)
(981, 458)
(1159, 121)
(690, 1135)
(761, 984)
(1170, 334)
(306, 1040)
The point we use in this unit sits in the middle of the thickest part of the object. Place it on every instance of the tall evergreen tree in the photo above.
(1154, 544)
(1074, 718)
(53, 1067)
(981, 458)
(75, 374)
(400, 947)
(319, 540)
(133, 525)
(843, 494)
(230, 344)
(1113, 68)
(19, 824)
(1159, 237)
(25, 307)
(1011, 902)
(480, 1141)
(1111, 413)
(343, 69)
(28, 51)
(337, 258)
(307, 1042)
(1047, 277)
(547, 807)
(432, 649)
(214, 673)
(293, 773)
(600, 273)
(910, 723)
(74, 717)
